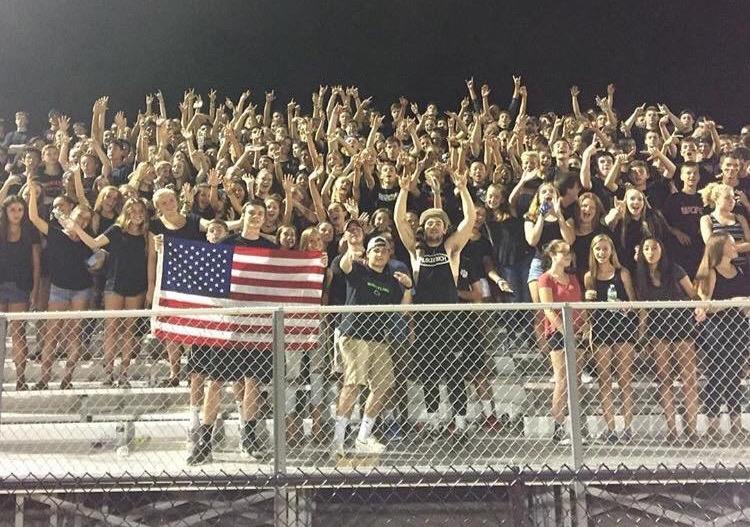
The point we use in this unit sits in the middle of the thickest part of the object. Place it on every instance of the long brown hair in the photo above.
(712, 256)
(4, 223)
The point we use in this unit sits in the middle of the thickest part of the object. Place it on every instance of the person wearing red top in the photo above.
(557, 285)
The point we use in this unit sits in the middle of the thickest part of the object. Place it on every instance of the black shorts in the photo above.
(233, 364)
(556, 341)
(674, 325)
(199, 360)
(613, 327)
(446, 342)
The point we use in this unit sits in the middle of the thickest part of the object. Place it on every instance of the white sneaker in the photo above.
(586, 378)
(337, 451)
(369, 446)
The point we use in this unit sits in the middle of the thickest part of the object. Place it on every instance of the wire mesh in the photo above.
(446, 417)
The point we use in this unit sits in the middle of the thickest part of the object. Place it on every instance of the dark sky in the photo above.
(65, 53)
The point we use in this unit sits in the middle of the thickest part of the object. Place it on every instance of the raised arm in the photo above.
(574, 93)
(460, 238)
(399, 217)
(586, 164)
(270, 97)
(34, 217)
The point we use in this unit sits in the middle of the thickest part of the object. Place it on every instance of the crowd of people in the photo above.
(480, 203)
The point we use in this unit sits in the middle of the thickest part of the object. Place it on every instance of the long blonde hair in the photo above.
(125, 218)
(594, 264)
(102, 196)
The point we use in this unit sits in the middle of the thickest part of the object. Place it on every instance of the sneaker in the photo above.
(66, 383)
(586, 378)
(369, 446)
(626, 435)
(609, 437)
(559, 435)
(192, 437)
(337, 451)
(201, 451)
(393, 431)
(169, 382)
(491, 424)
(218, 434)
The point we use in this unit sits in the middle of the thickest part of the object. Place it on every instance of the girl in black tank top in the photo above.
(725, 333)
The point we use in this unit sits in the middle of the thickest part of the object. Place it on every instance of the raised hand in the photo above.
(287, 183)
(352, 207)
(414, 108)
(270, 96)
(160, 96)
(610, 89)
(522, 91)
(63, 122)
(149, 101)
(212, 95)
(213, 177)
(470, 83)
(460, 179)
(120, 120)
(485, 90)
(619, 205)
(404, 182)
(186, 194)
(516, 82)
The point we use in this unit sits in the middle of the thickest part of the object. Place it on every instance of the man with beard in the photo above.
(436, 258)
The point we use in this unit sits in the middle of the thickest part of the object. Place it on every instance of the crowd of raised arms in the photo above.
(596, 203)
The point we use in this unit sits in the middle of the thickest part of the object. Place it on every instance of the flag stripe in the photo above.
(259, 329)
(271, 268)
(273, 299)
(288, 293)
(277, 284)
(302, 277)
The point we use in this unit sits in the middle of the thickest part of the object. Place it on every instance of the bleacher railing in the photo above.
(464, 394)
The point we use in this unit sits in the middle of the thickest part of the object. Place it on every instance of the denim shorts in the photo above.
(536, 269)
(59, 294)
(10, 293)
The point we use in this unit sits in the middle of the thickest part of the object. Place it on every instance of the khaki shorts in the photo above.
(366, 363)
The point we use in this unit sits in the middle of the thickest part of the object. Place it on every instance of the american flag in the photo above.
(196, 274)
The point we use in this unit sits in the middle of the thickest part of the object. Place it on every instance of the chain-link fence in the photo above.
(404, 415)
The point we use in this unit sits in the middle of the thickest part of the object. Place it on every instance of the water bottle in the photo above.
(612, 293)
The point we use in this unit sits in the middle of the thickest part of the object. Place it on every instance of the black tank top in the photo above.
(602, 288)
(435, 282)
(727, 288)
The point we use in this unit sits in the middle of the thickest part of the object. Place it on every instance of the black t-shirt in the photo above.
(67, 261)
(475, 251)
(190, 231)
(365, 286)
(667, 290)
(121, 174)
(383, 197)
(337, 290)
(16, 259)
(683, 212)
(261, 242)
(469, 272)
(508, 241)
(127, 261)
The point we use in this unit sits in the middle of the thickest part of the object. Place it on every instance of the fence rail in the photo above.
(474, 395)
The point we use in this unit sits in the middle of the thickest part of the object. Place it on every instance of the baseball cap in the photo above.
(377, 241)
(353, 221)
(434, 213)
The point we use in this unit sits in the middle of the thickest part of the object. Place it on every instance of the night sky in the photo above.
(64, 54)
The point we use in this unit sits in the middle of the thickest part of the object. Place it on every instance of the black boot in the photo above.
(201, 452)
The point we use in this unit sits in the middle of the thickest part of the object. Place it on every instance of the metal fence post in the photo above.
(279, 394)
(280, 505)
(574, 402)
(576, 495)
(3, 355)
